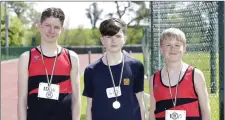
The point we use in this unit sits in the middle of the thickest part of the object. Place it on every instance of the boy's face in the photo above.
(172, 49)
(114, 43)
(50, 29)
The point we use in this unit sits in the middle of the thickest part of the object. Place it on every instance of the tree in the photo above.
(2, 22)
(66, 36)
(123, 8)
(2, 10)
(16, 32)
(93, 13)
(140, 14)
(120, 12)
(19, 8)
(33, 17)
(24, 11)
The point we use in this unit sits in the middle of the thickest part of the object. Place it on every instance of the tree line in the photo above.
(196, 19)
(23, 28)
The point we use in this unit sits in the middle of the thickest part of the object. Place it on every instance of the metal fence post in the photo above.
(6, 30)
(151, 39)
(89, 56)
(213, 51)
(221, 57)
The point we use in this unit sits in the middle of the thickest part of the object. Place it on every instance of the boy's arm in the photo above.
(75, 82)
(139, 96)
(22, 85)
(88, 92)
(88, 109)
(139, 88)
(201, 89)
(152, 100)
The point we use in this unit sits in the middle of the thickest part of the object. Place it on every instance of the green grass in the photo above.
(198, 60)
(83, 99)
(5, 57)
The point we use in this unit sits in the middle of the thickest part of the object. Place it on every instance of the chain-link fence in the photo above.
(199, 21)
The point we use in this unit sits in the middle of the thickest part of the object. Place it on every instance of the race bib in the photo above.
(111, 93)
(175, 115)
(48, 92)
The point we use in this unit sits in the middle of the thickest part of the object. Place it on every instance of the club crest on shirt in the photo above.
(126, 81)
(36, 57)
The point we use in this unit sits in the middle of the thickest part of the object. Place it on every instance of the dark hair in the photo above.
(112, 26)
(53, 12)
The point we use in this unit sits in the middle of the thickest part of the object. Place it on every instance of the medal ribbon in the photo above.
(53, 68)
(175, 97)
(121, 74)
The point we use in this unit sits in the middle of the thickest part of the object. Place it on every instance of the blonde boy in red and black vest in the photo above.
(178, 91)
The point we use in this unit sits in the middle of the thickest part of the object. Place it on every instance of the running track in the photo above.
(9, 85)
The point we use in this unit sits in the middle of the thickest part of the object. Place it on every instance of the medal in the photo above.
(116, 104)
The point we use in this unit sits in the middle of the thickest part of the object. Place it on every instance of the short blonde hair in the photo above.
(173, 33)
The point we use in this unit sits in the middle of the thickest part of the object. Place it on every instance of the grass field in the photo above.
(5, 57)
(200, 61)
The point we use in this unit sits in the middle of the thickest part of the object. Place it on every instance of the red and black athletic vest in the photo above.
(46, 109)
(187, 98)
